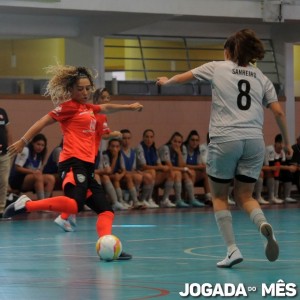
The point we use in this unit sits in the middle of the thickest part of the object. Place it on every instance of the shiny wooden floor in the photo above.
(171, 247)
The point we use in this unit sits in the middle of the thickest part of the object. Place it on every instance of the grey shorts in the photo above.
(228, 159)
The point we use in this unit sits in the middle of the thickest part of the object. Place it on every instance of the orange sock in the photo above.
(58, 204)
(64, 215)
(104, 223)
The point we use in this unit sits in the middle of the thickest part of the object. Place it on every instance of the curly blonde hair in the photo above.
(64, 78)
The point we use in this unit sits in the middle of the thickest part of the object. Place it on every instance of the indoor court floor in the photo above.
(170, 247)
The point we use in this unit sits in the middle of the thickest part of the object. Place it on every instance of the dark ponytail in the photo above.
(245, 47)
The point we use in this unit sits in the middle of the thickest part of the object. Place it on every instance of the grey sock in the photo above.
(167, 189)
(151, 192)
(178, 190)
(189, 186)
(133, 195)
(287, 189)
(119, 194)
(258, 188)
(224, 221)
(40, 195)
(111, 192)
(146, 191)
(257, 217)
(270, 186)
(47, 194)
(276, 188)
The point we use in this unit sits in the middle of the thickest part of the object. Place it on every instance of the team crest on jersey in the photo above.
(80, 178)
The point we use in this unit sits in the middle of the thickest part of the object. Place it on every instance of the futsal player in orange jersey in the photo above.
(66, 221)
(70, 89)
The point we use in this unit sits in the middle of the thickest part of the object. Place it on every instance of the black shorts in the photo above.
(79, 183)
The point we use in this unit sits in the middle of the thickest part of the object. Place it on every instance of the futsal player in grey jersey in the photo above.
(236, 148)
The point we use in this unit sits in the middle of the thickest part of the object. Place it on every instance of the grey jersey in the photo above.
(141, 158)
(166, 155)
(238, 97)
(192, 158)
(21, 160)
(105, 162)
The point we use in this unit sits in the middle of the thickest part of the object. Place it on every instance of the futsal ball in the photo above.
(109, 247)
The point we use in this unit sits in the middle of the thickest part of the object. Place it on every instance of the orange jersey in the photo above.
(78, 124)
(101, 128)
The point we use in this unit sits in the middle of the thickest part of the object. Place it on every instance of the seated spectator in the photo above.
(171, 154)
(194, 162)
(141, 179)
(111, 164)
(114, 171)
(277, 168)
(26, 172)
(296, 161)
(148, 160)
(258, 188)
(51, 166)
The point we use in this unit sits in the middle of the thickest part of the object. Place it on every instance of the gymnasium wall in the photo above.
(163, 114)
(31, 57)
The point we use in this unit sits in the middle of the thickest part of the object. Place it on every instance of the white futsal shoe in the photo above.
(64, 224)
(271, 248)
(290, 200)
(233, 258)
(119, 206)
(151, 203)
(261, 200)
(17, 207)
(276, 200)
(167, 203)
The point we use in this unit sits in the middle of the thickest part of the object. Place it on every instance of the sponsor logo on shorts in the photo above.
(80, 178)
